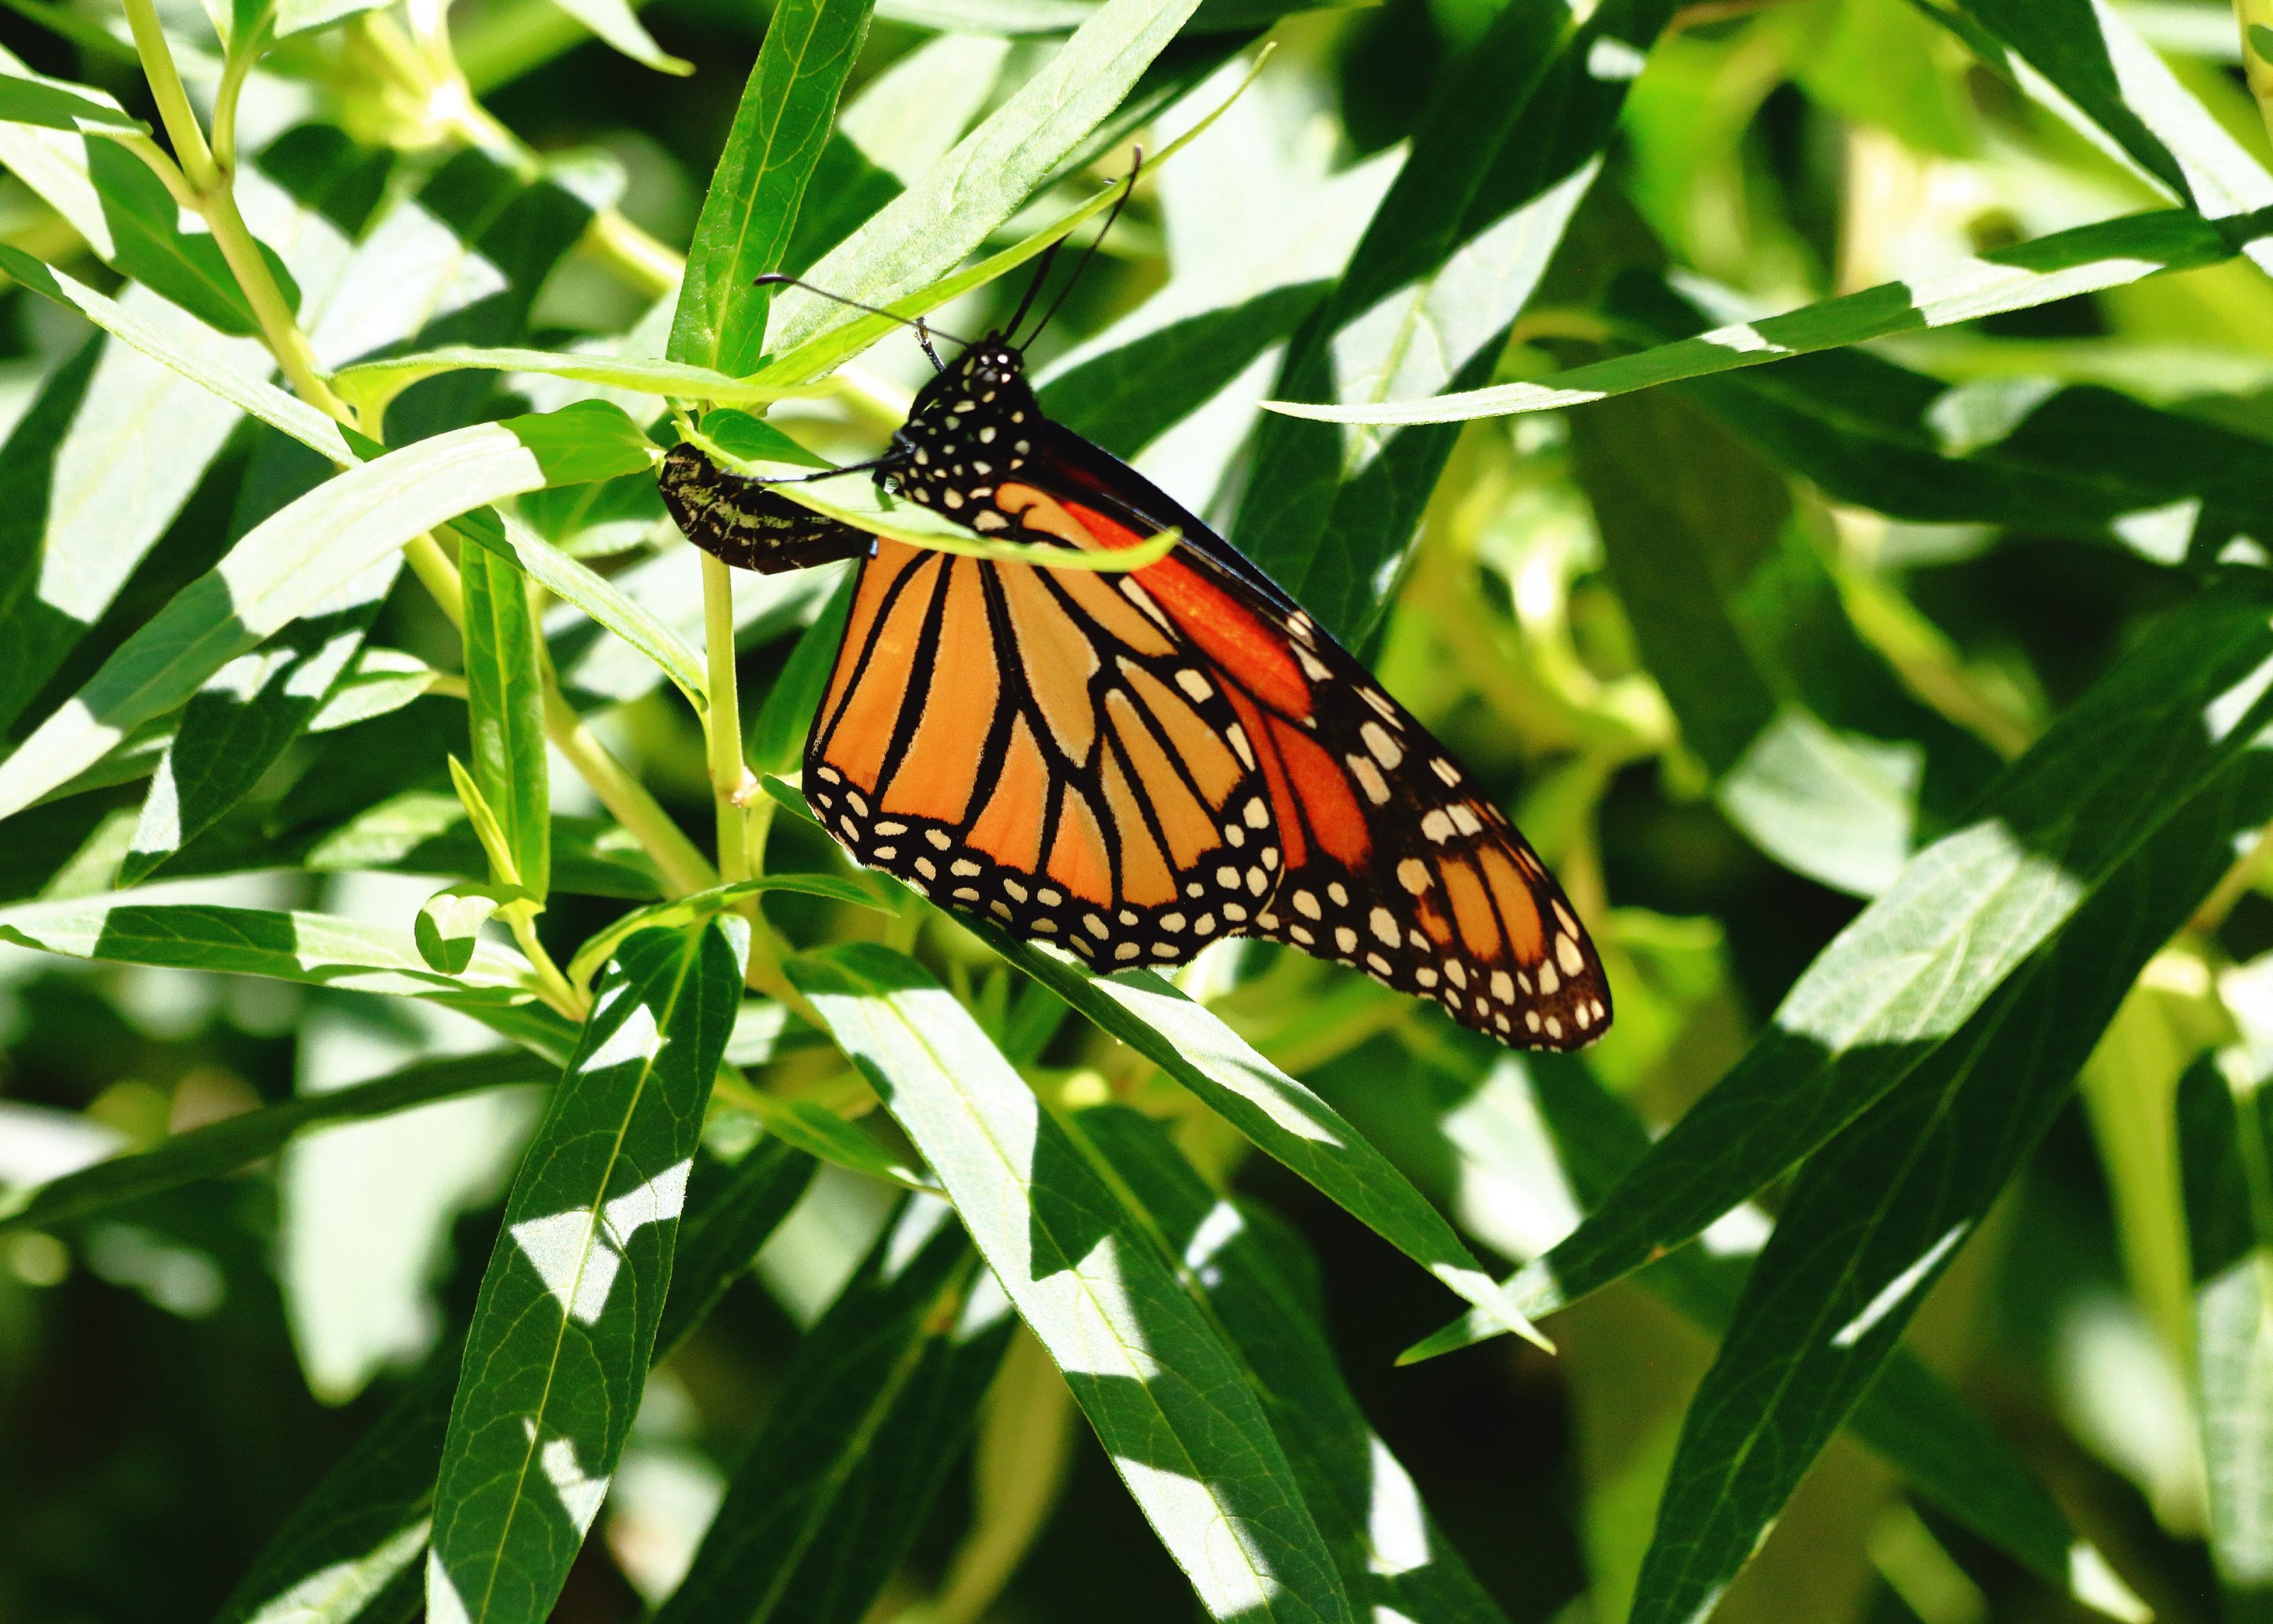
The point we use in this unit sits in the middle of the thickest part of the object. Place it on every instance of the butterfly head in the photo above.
(971, 425)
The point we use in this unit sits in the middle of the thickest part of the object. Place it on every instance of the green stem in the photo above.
(552, 985)
(685, 868)
(2253, 14)
(721, 723)
(166, 89)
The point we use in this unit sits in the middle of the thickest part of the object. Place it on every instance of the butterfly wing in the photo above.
(1034, 746)
(747, 524)
(1389, 860)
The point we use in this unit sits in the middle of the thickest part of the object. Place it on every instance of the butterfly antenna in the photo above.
(1088, 254)
(1033, 287)
(923, 329)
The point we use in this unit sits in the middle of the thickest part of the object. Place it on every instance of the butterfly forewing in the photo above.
(1028, 745)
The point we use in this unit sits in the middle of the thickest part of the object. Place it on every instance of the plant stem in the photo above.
(2248, 14)
(721, 723)
(279, 324)
(647, 263)
(174, 109)
(552, 985)
(683, 867)
(438, 575)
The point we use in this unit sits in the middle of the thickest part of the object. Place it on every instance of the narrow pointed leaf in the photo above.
(1258, 1278)
(1278, 1113)
(246, 715)
(758, 187)
(1453, 252)
(1899, 984)
(928, 229)
(236, 1142)
(1877, 1215)
(2019, 452)
(504, 706)
(2088, 62)
(879, 1403)
(367, 1520)
(293, 561)
(1163, 1392)
(2085, 259)
(557, 1351)
(320, 949)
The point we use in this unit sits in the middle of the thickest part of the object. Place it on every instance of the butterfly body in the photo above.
(1132, 764)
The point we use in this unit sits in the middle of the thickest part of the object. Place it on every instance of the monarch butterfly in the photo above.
(1131, 765)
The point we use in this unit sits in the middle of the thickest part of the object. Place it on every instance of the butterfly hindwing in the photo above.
(1391, 862)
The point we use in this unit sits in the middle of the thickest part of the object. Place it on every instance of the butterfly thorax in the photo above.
(970, 428)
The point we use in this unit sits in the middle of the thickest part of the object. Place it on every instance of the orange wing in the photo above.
(1388, 861)
(1044, 747)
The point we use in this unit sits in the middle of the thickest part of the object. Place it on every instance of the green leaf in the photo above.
(283, 569)
(928, 229)
(755, 191)
(319, 949)
(57, 104)
(599, 596)
(372, 384)
(615, 21)
(1278, 1114)
(557, 1351)
(2091, 59)
(2085, 259)
(147, 244)
(2229, 1200)
(2260, 41)
(1257, 1279)
(1817, 751)
(2018, 451)
(702, 904)
(1877, 1213)
(1126, 398)
(207, 366)
(505, 703)
(1899, 985)
(234, 1142)
(378, 682)
(449, 922)
(93, 472)
(245, 717)
(753, 439)
(821, 1512)
(367, 1521)
(1452, 253)
(1162, 1391)
(824, 1134)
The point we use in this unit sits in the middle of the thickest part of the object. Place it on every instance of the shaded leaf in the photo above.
(1454, 251)
(1877, 1213)
(881, 1399)
(1898, 987)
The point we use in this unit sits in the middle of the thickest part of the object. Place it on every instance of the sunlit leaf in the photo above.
(558, 1350)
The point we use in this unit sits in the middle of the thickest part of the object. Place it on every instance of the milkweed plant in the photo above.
(472, 1147)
